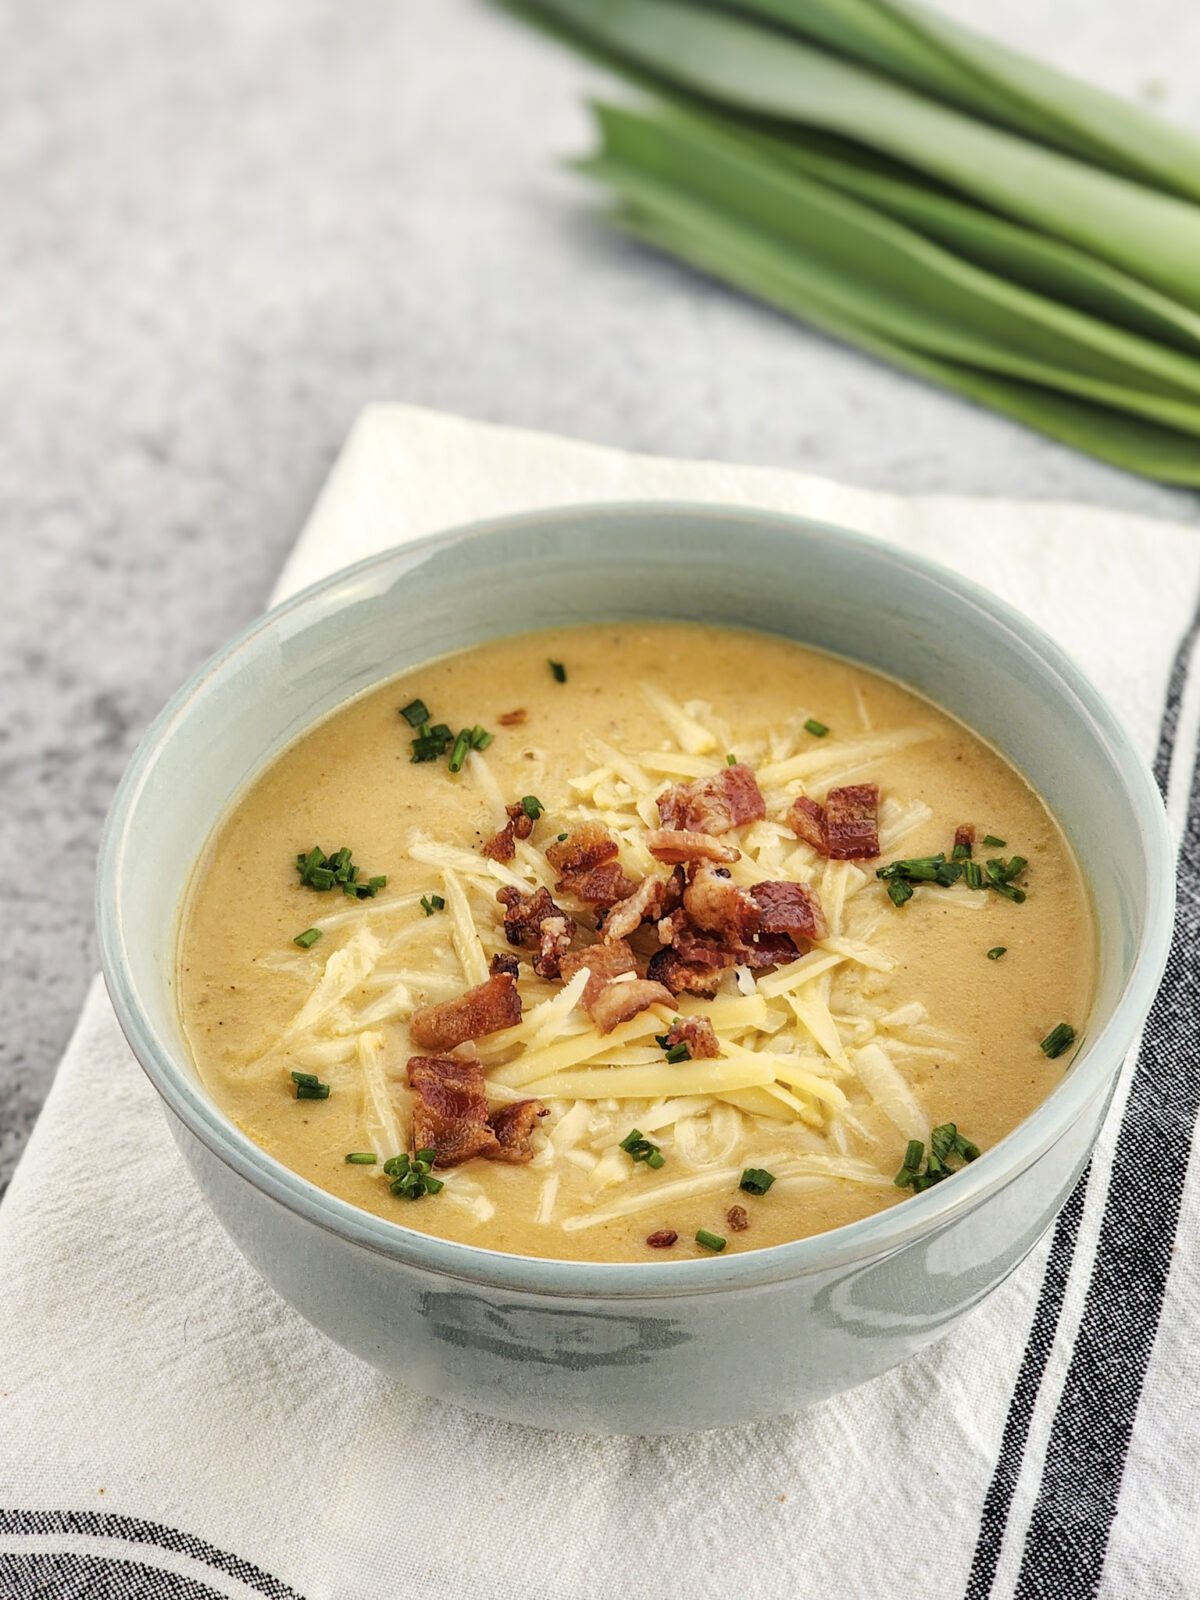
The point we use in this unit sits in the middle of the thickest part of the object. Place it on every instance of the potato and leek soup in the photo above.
(634, 942)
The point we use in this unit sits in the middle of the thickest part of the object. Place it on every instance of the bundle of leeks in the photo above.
(885, 175)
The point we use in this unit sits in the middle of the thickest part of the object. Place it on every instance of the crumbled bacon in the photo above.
(738, 1219)
(512, 719)
(713, 805)
(513, 1126)
(851, 822)
(845, 828)
(807, 820)
(487, 1008)
(681, 976)
(503, 962)
(789, 908)
(643, 905)
(450, 1114)
(768, 950)
(502, 846)
(692, 943)
(617, 1002)
(673, 891)
(674, 845)
(964, 836)
(663, 1239)
(698, 1034)
(450, 1110)
(718, 905)
(605, 961)
(587, 865)
(534, 922)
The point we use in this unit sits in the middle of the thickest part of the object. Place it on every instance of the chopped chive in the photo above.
(967, 1150)
(362, 1158)
(434, 1185)
(993, 843)
(425, 1155)
(710, 1241)
(559, 671)
(415, 713)
(321, 872)
(756, 1180)
(532, 806)
(427, 905)
(305, 1078)
(480, 738)
(655, 1159)
(731, 760)
(638, 1148)
(663, 1041)
(917, 869)
(949, 873)
(972, 875)
(913, 1154)
(677, 1053)
(817, 729)
(1059, 1038)
(961, 852)
(308, 938)
(561, 837)
(312, 1091)
(899, 891)
(431, 743)
(459, 754)
(997, 951)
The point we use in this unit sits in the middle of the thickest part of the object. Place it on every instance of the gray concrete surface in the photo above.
(226, 225)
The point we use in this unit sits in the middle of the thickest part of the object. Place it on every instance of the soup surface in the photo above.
(714, 981)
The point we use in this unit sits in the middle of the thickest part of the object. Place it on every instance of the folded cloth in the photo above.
(169, 1427)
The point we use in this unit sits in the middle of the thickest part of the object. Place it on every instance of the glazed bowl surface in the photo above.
(660, 1347)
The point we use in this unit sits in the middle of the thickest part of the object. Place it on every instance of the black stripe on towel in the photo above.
(135, 1530)
(998, 1501)
(67, 1576)
(1085, 1458)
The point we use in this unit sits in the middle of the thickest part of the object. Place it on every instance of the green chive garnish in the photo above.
(1058, 1039)
(559, 671)
(710, 1241)
(415, 713)
(944, 1142)
(459, 754)
(756, 1180)
(561, 837)
(532, 806)
(817, 729)
(731, 760)
(305, 1077)
(429, 904)
(640, 1149)
(973, 875)
(431, 743)
(677, 1053)
(321, 872)
(899, 891)
(308, 938)
(997, 951)
(362, 1158)
(993, 843)
(480, 738)
(309, 1086)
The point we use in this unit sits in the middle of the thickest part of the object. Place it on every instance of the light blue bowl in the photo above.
(666, 1346)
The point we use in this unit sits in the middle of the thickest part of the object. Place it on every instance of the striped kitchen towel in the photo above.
(170, 1428)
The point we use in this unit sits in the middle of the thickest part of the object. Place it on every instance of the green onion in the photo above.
(431, 743)
(308, 938)
(561, 837)
(362, 1158)
(640, 1149)
(973, 875)
(459, 754)
(532, 806)
(756, 1180)
(559, 671)
(993, 843)
(321, 872)
(710, 1241)
(480, 738)
(917, 869)
(817, 729)
(731, 760)
(431, 903)
(309, 1086)
(945, 1142)
(415, 713)
(899, 891)
(1059, 1038)
(961, 852)
(305, 1078)
(997, 951)
(677, 1053)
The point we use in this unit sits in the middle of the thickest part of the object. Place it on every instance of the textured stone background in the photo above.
(227, 224)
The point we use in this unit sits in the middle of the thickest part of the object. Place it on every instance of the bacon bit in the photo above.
(674, 845)
(513, 1125)
(534, 922)
(738, 1218)
(502, 962)
(450, 1110)
(663, 1239)
(673, 891)
(718, 905)
(807, 821)
(519, 826)
(643, 905)
(586, 861)
(768, 950)
(487, 1008)
(699, 948)
(699, 1036)
(618, 1002)
(851, 822)
(604, 885)
(681, 976)
(713, 805)
(964, 835)
(790, 908)
(606, 961)
(513, 719)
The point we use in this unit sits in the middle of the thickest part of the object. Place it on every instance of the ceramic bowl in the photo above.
(659, 1347)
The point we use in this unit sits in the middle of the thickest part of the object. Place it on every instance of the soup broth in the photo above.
(699, 1017)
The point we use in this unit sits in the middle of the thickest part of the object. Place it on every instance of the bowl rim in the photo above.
(1092, 1068)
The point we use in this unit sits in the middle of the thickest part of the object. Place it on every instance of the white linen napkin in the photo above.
(169, 1427)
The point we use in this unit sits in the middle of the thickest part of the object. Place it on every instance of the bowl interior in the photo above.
(822, 586)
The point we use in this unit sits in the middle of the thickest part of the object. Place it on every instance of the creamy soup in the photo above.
(691, 940)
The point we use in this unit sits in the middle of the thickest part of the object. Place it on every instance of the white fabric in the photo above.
(146, 1371)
